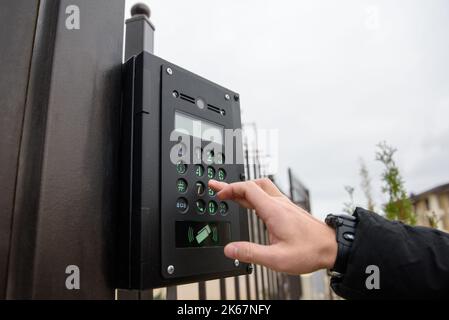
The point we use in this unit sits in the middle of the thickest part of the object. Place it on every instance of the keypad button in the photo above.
(219, 158)
(199, 170)
(181, 185)
(221, 174)
(182, 205)
(223, 208)
(210, 172)
(200, 188)
(181, 167)
(200, 206)
(211, 192)
(212, 207)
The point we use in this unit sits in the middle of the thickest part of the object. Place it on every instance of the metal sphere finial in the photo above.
(140, 9)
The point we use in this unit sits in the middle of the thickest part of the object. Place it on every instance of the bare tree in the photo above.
(365, 185)
(349, 207)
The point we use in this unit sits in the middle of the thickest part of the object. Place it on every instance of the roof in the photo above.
(444, 188)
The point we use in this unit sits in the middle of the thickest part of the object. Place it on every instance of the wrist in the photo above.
(329, 248)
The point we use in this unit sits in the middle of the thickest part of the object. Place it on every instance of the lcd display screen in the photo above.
(203, 129)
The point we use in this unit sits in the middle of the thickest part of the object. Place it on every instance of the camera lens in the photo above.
(200, 103)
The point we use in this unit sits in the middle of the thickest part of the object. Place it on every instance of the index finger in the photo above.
(250, 192)
(269, 187)
(217, 186)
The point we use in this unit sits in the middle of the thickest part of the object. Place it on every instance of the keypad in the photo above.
(202, 197)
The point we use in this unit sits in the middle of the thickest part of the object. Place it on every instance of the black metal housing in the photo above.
(147, 213)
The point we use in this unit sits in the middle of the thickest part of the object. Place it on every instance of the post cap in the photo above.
(140, 9)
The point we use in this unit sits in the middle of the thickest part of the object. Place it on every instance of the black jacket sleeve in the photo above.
(413, 262)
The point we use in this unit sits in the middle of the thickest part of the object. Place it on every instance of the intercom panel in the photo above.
(179, 131)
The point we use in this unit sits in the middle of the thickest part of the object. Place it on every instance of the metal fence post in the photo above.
(139, 37)
(15, 59)
(64, 199)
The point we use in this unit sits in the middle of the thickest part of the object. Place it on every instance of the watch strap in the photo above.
(345, 228)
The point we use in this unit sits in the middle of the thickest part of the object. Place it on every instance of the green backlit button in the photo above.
(199, 170)
(181, 167)
(221, 174)
(212, 207)
(182, 205)
(210, 172)
(223, 208)
(181, 185)
(211, 192)
(219, 158)
(200, 188)
(200, 206)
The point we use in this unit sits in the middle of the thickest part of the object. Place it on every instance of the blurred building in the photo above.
(432, 207)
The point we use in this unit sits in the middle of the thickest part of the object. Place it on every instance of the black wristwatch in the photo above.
(345, 230)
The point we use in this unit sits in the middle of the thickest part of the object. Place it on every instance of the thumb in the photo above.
(250, 253)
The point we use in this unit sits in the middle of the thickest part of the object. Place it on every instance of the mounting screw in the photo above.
(175, 94)
(249, 268)
(236, 263)
(170, 269)
(227, 97)
(236, 97)
(169, 71)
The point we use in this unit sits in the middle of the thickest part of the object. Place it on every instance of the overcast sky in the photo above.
(334, 77)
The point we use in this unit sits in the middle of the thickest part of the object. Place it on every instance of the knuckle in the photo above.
(249, 253)
(251, 183)
(266, 181)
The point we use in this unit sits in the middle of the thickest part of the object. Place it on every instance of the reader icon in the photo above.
(203, 234)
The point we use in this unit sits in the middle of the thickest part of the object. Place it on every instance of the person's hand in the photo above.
(299, 243)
